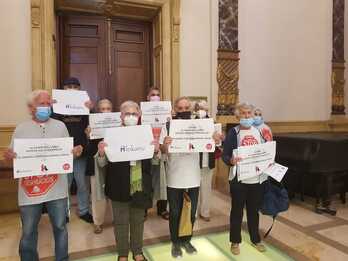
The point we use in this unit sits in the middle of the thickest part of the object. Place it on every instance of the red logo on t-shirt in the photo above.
(249, 140)
(266, 134)
(209, 146)
(38, 185)
(66, 166)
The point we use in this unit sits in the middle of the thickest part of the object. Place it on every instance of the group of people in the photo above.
(131, 187)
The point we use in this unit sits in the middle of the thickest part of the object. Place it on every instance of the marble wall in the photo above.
(338, 30)
(228, 24)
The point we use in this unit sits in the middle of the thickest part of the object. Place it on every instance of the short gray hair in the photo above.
(36, 94)
(244, 105)
(104, 101)
(125, 105)
(202, 104)
(182, 98)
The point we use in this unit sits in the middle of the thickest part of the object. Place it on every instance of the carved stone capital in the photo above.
(227, 78)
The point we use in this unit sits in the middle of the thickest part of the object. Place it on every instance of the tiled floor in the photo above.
(300, 232)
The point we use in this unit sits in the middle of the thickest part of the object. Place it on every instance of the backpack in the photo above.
(275, 201)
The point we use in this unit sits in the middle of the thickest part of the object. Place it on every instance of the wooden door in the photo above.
(83, 53)
(130, 55)
(111, 58)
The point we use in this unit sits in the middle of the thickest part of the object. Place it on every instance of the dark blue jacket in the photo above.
(230, 144)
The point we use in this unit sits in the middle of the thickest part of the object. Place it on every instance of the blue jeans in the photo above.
(79, 175)
(30, 216)
(175, 200)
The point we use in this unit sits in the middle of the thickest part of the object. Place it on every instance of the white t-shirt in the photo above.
(39, 189)
(247, 138)
(183, 169)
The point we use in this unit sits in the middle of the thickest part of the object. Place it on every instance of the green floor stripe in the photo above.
(214, 247)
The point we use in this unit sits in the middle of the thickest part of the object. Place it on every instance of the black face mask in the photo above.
(184, 115)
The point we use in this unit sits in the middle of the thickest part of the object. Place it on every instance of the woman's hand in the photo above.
(9, 155)
(157, 146)
(101, 148)
(88, 132)
(77, 151)
(89, 104)
(218, 137)
(234, 160)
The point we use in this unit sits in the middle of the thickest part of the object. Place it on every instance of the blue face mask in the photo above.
(43, 113)
(258, 120)
(246, 122)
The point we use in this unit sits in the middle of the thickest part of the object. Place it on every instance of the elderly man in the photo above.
(54, 187)
(76, 125)
(183, 175)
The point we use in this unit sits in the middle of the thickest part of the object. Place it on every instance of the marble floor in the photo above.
(301, 233)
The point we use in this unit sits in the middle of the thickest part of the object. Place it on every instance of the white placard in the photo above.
(70, 102)
(36, 157)
(276, 171)
(156, 114)
(218, 129)
(255, 159)
(129, 143)
(192, 136)
(99, 122)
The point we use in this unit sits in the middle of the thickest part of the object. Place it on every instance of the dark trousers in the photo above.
(175, 200)
(161, 206)
(249, 195)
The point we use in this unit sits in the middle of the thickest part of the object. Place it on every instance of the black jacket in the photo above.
(117, 183)
(76, 125)
(211, 159)
(230, 144)
(90, 151)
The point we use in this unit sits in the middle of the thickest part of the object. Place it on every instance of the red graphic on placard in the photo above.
(267, 134)
(66, 166)
(209, 146)
(191, 147)
(156, 132)
(38, 185)
(249, 140)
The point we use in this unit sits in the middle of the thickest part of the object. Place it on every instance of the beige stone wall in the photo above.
(286, 52)
(198, 45)
(15, 62)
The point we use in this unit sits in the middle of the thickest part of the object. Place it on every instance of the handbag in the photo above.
(185, 225)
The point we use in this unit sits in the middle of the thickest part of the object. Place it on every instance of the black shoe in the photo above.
(144, 258)
(189, 248)
(176, 251)
(87, 218)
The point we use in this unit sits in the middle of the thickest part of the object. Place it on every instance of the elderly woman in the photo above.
(248, 192)
(207, 165)
(262, 126)
(129, 202)
(99, 202)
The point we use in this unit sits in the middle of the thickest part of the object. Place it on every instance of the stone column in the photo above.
(228, 57)
(338, 62)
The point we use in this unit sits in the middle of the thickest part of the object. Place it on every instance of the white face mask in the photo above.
(131, 120)
(202, 114)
